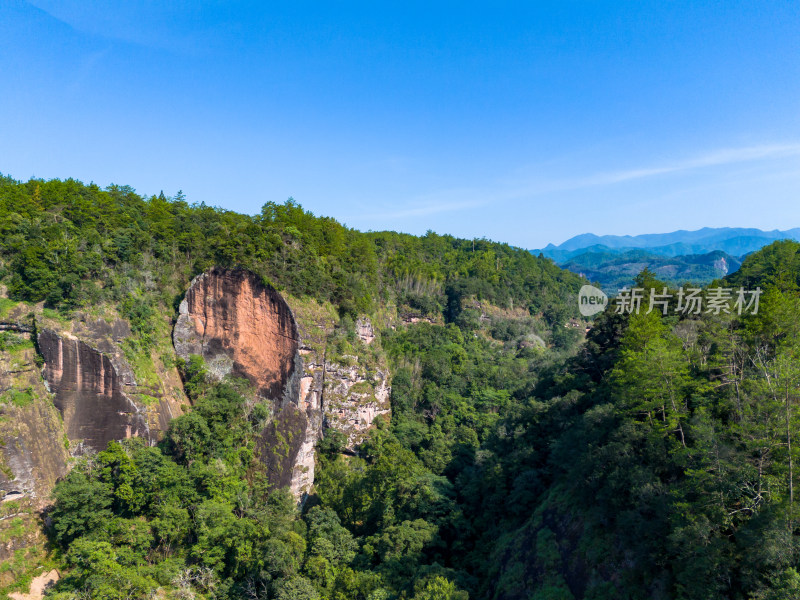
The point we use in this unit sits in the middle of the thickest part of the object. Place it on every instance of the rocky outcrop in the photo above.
(89, 393)
(74, 394)
(242, 327)
(34, 453)
(94, 386)
(310, 401)
(413, 319)
(354, 397)
(364, 330)
(32, 450)
(721, 265)
(239, 326)
(79, 394)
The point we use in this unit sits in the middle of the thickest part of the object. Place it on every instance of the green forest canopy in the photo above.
(656, 459)
(71, 244)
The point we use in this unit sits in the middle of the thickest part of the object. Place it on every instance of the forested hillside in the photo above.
(655, 458)
(71, 245)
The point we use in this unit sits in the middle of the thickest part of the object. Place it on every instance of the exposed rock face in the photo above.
(311, 399)
(410, 319)
(364, 330)
(84, 396)
(158, 397)
(354, 397)
(721, 265)
(243, 327)
(32, 454)
(240, 326)
(89, 393)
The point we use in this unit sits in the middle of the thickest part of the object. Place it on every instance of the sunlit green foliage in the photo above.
(657, 459)
(71, 245)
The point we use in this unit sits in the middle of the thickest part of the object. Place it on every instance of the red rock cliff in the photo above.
(239, 326)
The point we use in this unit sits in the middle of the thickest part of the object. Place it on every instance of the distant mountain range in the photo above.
(678, 257)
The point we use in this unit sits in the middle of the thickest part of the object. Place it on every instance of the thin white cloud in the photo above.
(453, 201)
(84, 70)
(725, 156)
(431, 207)
(148, 25)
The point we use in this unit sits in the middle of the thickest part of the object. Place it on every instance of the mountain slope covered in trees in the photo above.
(614, 271)
(656, 458)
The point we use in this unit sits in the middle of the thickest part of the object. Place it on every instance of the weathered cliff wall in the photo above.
(95, 388)
(354, 396)
(84, 392)
(76, 396)
(241, 326)
(155, 388)
(32, 445)
(33, 455)
(73, 394)
(356, 390)
(89, 393)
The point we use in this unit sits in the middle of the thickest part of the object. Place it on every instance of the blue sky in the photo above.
(521, 122)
